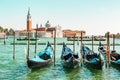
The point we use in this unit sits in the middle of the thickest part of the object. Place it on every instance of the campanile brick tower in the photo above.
(29, 21)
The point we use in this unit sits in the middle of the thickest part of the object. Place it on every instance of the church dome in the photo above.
(47, 24)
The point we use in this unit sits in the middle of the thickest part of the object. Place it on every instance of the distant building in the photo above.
(117, 35)
(72, 33)
(47, 31)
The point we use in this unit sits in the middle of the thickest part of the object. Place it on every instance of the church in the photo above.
(47, 30)
(43, 31)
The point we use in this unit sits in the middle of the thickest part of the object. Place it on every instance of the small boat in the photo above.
(42, 59)
(86, 39)
(68, 58)
(76, 39)
(115, 58)
(92, 59)
(99, 39)
(25, 39)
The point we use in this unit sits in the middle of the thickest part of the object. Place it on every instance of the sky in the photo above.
(96, 17)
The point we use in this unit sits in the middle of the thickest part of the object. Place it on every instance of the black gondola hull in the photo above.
(95, 65)
(115, 64)
(35, 64)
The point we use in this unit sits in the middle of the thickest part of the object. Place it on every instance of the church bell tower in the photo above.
(29, 21)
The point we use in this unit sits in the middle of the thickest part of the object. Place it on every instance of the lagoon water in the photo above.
(17, 69)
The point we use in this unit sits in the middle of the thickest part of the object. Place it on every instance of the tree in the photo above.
(11, 31)
(6, 31)
(1, 29)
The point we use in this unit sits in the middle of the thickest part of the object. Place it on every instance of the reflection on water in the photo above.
(97, 74)
(72, 74)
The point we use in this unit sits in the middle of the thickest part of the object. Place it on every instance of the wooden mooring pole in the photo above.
(113, 41)
(14, 47)
(28, 51)
(81, 43)
(81, 53)
(108, 49)
(92, 43)
(54, 46)
(74, 43)
(4, 39)
(36, 39)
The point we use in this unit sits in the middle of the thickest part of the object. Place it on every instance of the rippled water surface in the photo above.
(17, 69)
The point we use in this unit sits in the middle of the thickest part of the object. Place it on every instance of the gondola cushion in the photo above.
(118, 60)
(94, 60)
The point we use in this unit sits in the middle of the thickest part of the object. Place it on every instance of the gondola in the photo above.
(115, 58)
(92, 59)
(41, 59)
(69, 59)
(102, 50)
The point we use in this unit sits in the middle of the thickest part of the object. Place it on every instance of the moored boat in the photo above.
(41, 59)
(92, 59)
(102, 50)
(115, 58)
(68, 58)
